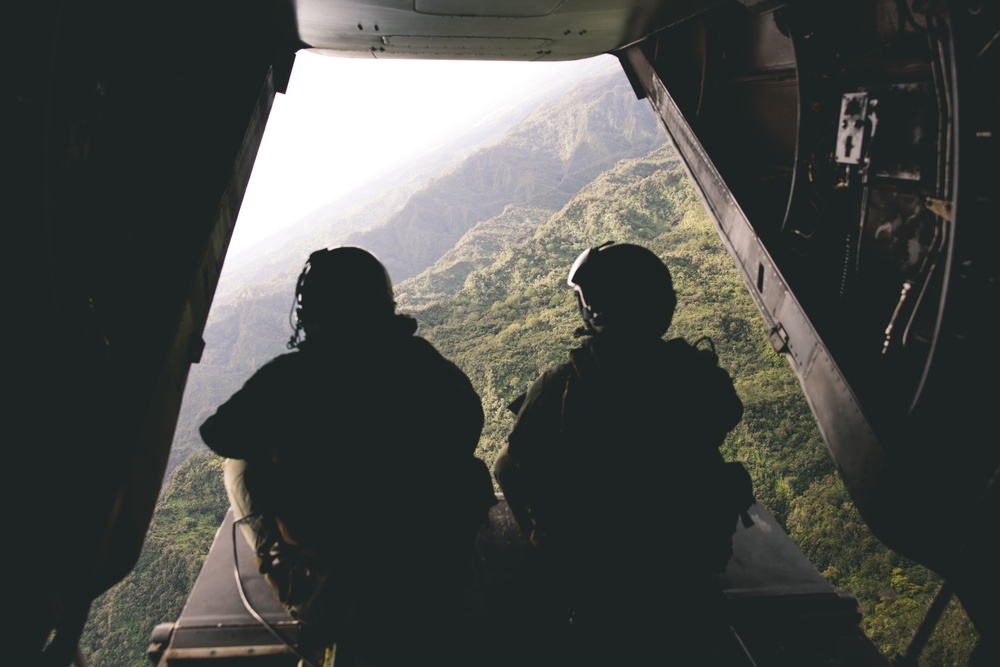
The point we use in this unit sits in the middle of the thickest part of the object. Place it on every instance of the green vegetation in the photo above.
(187, 517)
(489, 291)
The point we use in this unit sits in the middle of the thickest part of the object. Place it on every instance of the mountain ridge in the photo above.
(371, 203)
(541, 163)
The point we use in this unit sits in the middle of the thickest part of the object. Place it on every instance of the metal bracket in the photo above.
(939, 207)
(851, 130)
(779, 338)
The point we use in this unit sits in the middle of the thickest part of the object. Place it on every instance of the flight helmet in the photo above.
(624, 288)
(345, 287)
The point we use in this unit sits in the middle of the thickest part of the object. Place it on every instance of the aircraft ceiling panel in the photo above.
(508, 9)
(453, 29)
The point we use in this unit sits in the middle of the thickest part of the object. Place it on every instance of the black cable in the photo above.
(249, 607)
(295, 323)
(295, 311)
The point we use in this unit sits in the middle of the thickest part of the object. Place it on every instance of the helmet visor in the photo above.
(575, 269)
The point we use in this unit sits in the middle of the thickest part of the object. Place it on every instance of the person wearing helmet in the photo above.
(351, 462)
(613, 470)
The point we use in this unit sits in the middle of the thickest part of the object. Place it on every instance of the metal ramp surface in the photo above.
(783, 612)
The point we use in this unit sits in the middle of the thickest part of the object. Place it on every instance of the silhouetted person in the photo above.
(613, 471)
(353, 458)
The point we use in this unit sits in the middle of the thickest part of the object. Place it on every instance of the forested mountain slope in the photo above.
(541, 163)
(514, 315)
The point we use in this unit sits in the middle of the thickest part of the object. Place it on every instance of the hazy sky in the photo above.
(345, 120)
